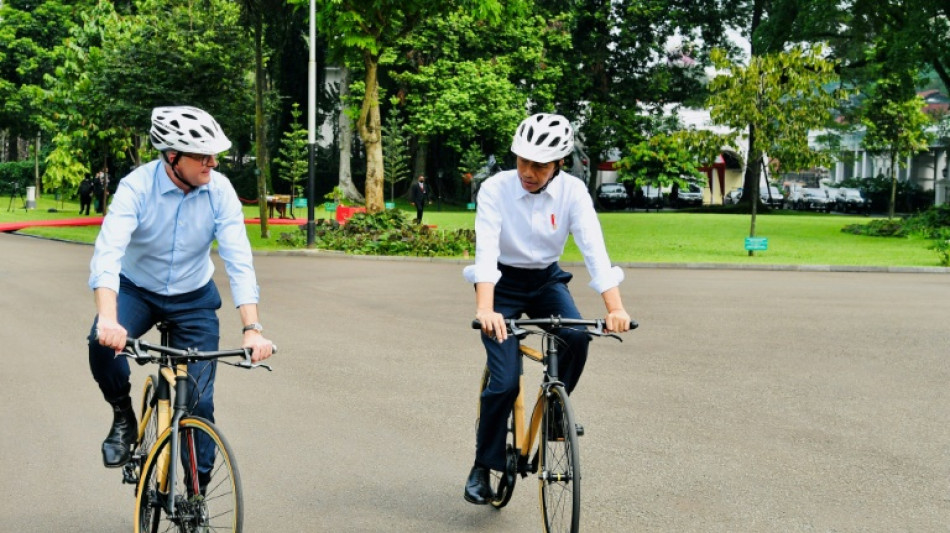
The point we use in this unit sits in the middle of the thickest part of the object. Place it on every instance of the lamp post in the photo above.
(311, 123)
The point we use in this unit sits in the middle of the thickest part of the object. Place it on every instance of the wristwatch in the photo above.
(255, 326)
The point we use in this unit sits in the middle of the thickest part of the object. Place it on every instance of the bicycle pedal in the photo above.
(128, 474)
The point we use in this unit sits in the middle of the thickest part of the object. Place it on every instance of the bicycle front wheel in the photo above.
(559, 473)
(149, 414)
(207, 492)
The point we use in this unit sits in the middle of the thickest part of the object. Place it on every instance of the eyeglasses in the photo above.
(204, 159)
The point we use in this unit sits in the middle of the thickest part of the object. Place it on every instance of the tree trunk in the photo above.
(345, 176)
(369, 127)
(260, 136)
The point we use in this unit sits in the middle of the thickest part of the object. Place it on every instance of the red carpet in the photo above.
(96, 221)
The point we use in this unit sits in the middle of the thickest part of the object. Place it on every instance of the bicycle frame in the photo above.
(526, 435)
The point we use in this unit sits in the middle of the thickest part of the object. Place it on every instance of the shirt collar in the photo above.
(166, 185)
(553, 189)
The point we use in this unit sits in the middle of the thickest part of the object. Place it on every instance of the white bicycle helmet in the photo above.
(186, 129)
(543, 138)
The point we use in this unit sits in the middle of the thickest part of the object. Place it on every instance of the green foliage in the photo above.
(64, 165)
(878, 228)
(661, 161)
(942, 246)
(20, 172)
(388, 232)
(782, 97)
(293, 159)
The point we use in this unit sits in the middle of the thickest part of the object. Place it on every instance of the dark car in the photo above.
(613, 196)
(848, 200)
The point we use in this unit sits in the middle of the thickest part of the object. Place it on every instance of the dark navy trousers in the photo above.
(193, 322)
(537, 294)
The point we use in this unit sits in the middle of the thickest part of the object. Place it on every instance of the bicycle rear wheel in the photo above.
(203, 501)
(559, 472)
(503, 483)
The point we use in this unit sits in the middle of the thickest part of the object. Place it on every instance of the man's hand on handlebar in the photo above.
(493, 324)
(111, 334)
(261, 348)
(617, 321)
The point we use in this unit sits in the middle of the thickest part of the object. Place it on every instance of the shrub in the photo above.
(389, 232)
(878, 228)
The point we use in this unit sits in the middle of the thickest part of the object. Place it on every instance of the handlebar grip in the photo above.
(476, 324)
(634, 324)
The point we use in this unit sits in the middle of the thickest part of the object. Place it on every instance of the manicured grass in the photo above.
(668, 237)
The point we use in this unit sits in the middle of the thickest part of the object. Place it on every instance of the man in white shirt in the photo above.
(522, 223)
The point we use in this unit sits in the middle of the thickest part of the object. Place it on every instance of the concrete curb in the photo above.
(684, 266)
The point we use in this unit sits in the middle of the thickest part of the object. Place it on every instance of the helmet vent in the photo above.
(554, 142)
(542, 138)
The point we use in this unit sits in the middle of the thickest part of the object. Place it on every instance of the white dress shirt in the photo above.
(519, 229)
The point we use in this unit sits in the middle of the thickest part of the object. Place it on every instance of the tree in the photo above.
(395, 151)
(463, 81)
(371, 27)
(897, 127)
(30, 32)
(293, 158)
(660, 161)
(781, 97)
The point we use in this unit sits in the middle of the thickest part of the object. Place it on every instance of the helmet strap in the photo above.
(557, 170)
(174, 164)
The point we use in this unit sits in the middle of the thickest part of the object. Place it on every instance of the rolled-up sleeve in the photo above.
(488, 222)
(589, 238)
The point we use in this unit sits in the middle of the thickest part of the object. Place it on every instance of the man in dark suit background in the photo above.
(419, 194)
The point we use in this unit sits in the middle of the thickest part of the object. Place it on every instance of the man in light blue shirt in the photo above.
(152, 263)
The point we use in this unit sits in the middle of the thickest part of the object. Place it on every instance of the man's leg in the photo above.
(555, 299)
(112, 373)
(194, 324)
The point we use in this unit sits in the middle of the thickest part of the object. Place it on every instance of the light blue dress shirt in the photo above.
(160, 238)
(519, 229)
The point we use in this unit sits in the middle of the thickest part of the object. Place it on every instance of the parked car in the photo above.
(850, 200)
(691, 196)
(772, 197)
(732, 197)
(810, 199)
(612, 196)
(648, 197)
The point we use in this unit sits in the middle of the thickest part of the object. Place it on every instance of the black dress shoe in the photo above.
(478, 486)
(117, 448)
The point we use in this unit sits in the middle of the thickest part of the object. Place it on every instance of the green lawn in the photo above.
(668, 237)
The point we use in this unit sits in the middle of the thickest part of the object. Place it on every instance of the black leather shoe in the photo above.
(117, 448)
(478, 486)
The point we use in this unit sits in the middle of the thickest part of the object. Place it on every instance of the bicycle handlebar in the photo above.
(136, 349)
(515, 324)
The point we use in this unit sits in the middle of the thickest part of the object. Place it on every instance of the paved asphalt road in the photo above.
(747, 401)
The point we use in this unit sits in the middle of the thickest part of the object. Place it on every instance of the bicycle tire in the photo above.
(559, 474)
(203, 502)
(148, 411)
(502, 483)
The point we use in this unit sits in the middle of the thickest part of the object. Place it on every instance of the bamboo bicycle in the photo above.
(556, 458)
(183, 496)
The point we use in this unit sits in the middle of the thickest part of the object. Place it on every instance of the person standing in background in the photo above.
(419, 194)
